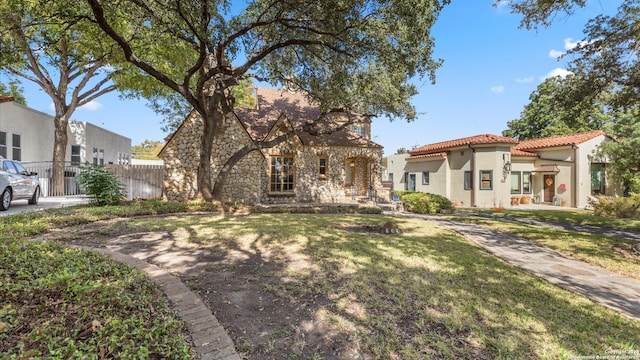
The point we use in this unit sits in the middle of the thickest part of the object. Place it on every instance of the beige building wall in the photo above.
(34, 127)
(36, 130)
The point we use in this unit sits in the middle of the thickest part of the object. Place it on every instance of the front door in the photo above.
(549, 188)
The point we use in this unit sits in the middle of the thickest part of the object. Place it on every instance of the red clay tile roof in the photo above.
(516, 152)
(558, 140)
(424, 156)
(272, 103)
(4, 99)
(471, 140)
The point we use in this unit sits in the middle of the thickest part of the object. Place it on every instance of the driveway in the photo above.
(20, 206)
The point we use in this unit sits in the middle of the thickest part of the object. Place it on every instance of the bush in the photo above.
(423, 203)
(101, 185)
(616, 207)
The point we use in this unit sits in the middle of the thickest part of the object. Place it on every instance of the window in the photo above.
(468, 180)
(75, 155)
(406, 181)
(101, 157)
(526, 182)
(95, 156)
(17, 149)
(486, 180)
(3, 144)
(358, 129)
(323, 166)
(281, 176)
(521, 182)
(425, 178)
(597, 179)
(19, 168)
(516, 182)
(391, 177)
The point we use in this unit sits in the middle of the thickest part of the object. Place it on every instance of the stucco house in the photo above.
(27, 135)
(495, 171)
(339, 167)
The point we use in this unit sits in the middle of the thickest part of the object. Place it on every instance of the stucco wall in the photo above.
(36, 130)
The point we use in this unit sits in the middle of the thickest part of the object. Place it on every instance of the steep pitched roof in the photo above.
(272, 103)
(4, 99)
(471, 140)
(558, 140)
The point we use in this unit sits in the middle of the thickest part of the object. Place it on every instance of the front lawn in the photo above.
(613, 254)
(572, 216)
(61, 303)
(329, 286)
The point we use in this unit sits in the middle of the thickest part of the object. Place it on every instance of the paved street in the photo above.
(20, 206)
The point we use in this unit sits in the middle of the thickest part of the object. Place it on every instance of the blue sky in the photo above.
(490, 69)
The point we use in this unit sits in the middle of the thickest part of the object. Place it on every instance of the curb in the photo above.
(210, 339)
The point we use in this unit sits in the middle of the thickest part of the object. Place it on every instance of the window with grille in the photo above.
(281, 177)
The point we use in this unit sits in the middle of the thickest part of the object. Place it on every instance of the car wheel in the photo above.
(35, 197)
(5, 201)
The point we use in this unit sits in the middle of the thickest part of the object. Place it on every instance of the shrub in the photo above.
(102, 185)
(423, 203)
(616, 207)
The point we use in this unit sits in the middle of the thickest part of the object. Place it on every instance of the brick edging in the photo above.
(210, 339)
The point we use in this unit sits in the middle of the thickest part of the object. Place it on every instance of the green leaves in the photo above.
(102, 185)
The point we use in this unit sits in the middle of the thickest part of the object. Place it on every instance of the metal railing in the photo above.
(44, 169)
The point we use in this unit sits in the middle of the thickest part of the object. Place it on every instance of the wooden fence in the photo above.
(140, 181)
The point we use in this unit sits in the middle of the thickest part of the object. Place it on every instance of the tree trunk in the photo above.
(59, 154)
(212, 127)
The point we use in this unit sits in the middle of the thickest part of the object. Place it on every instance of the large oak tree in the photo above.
(352, 55)
(49, 44)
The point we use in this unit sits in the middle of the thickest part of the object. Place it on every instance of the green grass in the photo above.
(62, 303)
(424, 293)
(573, 216)
(614, 254)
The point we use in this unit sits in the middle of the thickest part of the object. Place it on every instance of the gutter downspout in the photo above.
(473, 180)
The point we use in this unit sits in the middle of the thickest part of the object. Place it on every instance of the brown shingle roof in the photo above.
(471, 140)
(273, 103)
(558, 140)
(4, 99)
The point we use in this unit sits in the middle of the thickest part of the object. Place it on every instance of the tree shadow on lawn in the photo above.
(305, 286)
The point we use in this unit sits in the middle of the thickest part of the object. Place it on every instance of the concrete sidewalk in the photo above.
(602, 286)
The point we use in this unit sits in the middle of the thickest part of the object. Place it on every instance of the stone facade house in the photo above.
(495, 171)
(339, 167)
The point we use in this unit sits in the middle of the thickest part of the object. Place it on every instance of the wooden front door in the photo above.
(549, 188)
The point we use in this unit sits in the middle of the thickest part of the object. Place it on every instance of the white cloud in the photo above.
(500, 4)
(569, 45)
(527, 79)
(91, 106)
(557, 72)
(497, 89)
(555, 53)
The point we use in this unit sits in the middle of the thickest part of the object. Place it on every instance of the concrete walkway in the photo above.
(602, 286)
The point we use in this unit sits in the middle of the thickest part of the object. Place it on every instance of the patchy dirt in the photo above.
(249, 294)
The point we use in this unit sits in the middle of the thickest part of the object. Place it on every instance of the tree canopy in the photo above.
(356, 56)
(14, 90)
(63, 54)
(551, 111)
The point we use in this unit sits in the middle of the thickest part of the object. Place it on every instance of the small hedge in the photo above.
(424, 203)
(616, 207)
